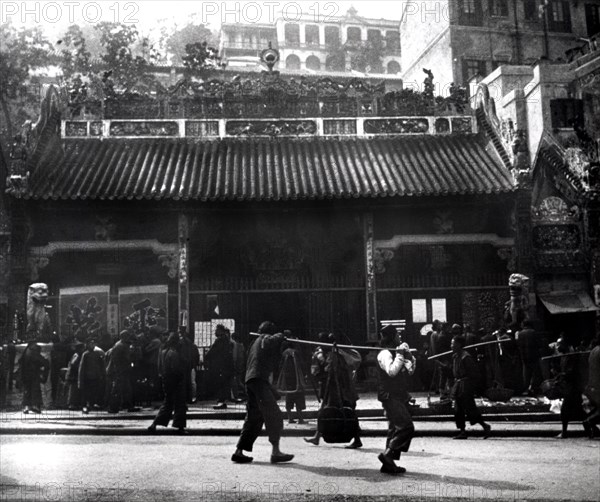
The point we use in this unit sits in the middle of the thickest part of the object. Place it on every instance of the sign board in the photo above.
(203, 334)
(141, 307)
(83, 311)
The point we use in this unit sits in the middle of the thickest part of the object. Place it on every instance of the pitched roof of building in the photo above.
(263, 169)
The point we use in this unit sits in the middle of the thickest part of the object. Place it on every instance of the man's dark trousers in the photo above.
(261, 408)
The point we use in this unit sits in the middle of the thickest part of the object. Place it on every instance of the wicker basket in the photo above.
(499, 394)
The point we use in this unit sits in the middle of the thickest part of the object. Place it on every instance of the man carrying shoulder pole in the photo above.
(261, 406)
(395, 365)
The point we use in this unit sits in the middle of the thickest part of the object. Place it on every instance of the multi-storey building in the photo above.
(317, 44)
(546, 119)
(461, 39)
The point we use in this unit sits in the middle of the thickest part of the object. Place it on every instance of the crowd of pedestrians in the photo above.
(156, 365)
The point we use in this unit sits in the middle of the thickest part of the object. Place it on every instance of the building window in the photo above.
(393, 67)
(559, 16)
(532, 10)
(472, 68)
(428, 310)
(332, 36)
(313, 63)
(592, 18)
(499, 8)
(353, 34)
(292, 34)
(566, 112)
(392, 40)
(374, 36)
(470, 12)
(311, 34)
(292, 62)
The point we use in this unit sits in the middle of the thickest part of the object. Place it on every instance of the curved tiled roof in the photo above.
(263, 169)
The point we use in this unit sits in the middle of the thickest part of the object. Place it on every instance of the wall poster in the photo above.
(141, 307)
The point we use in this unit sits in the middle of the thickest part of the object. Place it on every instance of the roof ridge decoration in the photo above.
(266, 95)
(510, 142)
(31, 140)
(577, 163)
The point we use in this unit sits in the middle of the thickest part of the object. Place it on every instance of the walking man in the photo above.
(172, 371)
(395, 365)
(91, 376)
(463, 390)
(262, 407)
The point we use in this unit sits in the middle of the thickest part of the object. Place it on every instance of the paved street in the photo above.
(170, 468)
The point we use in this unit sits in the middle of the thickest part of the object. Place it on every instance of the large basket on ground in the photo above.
(499, 393)
(337, 425)
(337, 421)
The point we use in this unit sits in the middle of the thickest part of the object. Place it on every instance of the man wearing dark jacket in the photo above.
(465, 374)
(219, 360)
(173, 373)
(118, 373)
(440, 342)
(262, 407)
(91, 376)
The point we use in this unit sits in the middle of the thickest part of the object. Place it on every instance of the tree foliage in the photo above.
(199, 57)
(22, 51)
(190, 34)
(125, 71)
(367, 57)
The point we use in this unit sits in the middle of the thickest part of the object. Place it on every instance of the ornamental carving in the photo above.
(75, 129)
(443, 222)
(36, 263)
(462, 125)
(96, 128)
(380, 258)
(272, 128)
(105, 228)
(171, 262)
(556, 237)
(121, 128)
(555, 210)
(507, 131)
(568, 259)
(397, 126)
(269, 95)
(442, 126)
(508, 255)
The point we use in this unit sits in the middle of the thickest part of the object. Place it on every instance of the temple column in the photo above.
(370, 285)
(182, 277)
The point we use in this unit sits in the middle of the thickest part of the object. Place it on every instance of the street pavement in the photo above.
(191, 468)
(523, 417)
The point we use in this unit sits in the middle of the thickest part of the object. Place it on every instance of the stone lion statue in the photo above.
(518, 305)
(39, 327)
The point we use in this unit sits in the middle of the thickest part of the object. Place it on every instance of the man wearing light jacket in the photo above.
(395, 365)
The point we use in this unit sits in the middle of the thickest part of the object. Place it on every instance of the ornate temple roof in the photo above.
(262, 169)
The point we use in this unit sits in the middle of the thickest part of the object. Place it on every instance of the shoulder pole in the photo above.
(470, 347)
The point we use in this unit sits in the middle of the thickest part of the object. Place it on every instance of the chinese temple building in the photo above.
(316, 204)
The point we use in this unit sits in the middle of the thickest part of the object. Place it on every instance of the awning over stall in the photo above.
(568, 302)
